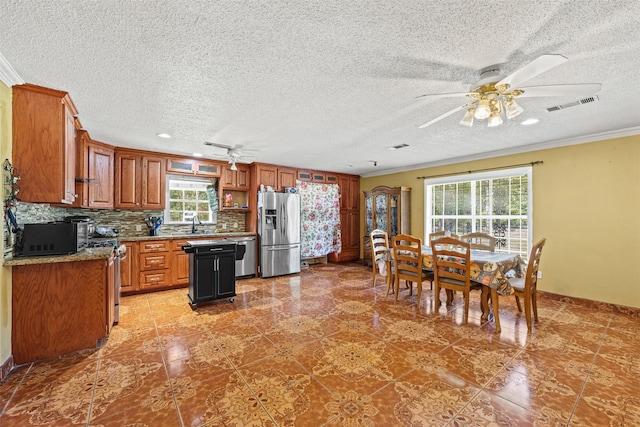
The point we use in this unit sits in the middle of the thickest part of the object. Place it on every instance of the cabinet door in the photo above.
(349, 192)
(129, 269)
(180, 268)
(184, 166)
(226, 277)
(228, 178)
(101, 176)
(331, 178)
(111, 294)
(267, 176)
(350, 237)
(381, 212)
(127, 181)
(286, 178)
(153, 182)
(44, 144)
(305, 176)
(71, 146)
(202, 282)
(207, 169)
(242, 177)
(368, 214)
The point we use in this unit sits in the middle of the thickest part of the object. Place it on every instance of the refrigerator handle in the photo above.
(284, 220)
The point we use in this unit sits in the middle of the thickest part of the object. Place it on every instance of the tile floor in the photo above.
(325, 348)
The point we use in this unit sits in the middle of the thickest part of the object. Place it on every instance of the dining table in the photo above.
(491, 269)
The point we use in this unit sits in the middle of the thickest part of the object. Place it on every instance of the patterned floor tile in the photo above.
(326, 348)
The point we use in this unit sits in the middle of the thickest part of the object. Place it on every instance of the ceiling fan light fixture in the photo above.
(512, 109)
(495, 119)
(484, 109)
(467, 120)
(233, 166)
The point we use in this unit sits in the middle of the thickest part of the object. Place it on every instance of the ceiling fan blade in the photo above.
(532, 69)
(215, 144)
(443, 95)
(447, 114)
(574, 90)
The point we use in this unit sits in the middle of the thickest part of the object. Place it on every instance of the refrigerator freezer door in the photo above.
(280, 219)
(279, 260)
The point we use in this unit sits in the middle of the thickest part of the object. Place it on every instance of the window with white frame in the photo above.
(496, 203)
(188, 197)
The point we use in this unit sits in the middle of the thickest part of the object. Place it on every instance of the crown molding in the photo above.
(8, 75)
(601, 136)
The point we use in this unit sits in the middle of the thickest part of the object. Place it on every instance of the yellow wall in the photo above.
(586, 202)
(5, 272)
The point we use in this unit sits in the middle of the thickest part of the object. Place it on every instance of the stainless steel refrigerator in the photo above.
(279, 231)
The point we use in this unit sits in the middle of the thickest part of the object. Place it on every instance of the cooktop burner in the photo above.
(103, 243)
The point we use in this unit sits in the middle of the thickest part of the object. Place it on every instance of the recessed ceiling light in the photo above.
(349, 166)
(197, 154)
(529, 122)
(163, 135)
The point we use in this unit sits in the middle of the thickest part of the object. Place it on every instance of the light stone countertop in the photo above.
(105, 253)
(83, 255)
(171, 236)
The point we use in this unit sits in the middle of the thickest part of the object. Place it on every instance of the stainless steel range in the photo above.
(119, 253)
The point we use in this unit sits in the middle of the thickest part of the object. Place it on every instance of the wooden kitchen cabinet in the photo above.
(95, 177)
(154, 263)
(129, 269)
(286, 178)
(193, 167)
(276, 177)
(266, 175)
(44, 144)
(235, 180)
(180, 263)
(60, 307)
(153, 182)
(140, 181)
(349, 219)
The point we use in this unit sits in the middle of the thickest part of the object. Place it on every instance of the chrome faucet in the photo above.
(193, 223)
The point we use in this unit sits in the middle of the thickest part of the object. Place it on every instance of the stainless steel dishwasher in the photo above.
(245, 267)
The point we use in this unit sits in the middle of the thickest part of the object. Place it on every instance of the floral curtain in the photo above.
(319, 219)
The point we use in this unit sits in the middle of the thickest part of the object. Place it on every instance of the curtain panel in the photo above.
(319, 219)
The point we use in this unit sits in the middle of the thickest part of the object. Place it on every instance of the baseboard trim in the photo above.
(6, 368)
(602, 306)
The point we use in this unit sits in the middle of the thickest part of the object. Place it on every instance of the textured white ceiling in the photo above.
(324, 84)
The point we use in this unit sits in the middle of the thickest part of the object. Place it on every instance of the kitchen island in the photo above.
(61, 304)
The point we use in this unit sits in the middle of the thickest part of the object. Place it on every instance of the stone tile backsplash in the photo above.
(125, 220)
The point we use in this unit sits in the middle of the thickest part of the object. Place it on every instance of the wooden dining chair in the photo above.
(439, 234)
(452, 268)
(380, 265)
(524, 287)
(482, 241)
(407, 258)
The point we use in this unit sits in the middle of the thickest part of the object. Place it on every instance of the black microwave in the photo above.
(54, 238)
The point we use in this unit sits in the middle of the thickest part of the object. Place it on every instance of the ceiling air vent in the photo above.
(574, 103)
(397, 147)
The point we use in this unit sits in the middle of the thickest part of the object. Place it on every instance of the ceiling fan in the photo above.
(496, 94)
(233, 155)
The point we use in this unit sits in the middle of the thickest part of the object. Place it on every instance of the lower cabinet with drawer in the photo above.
(154, 264)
